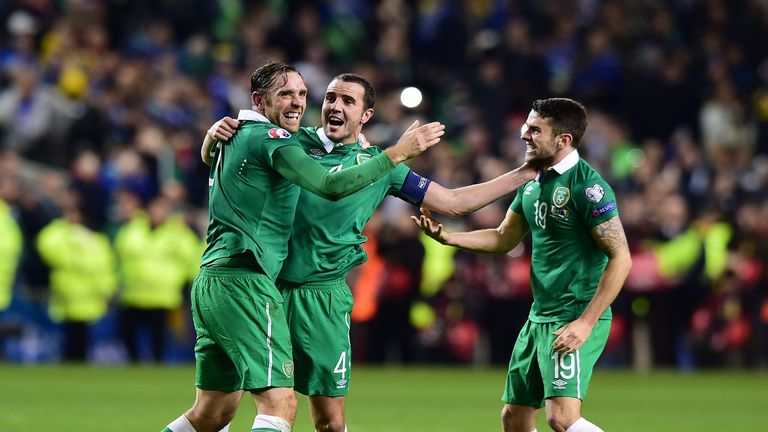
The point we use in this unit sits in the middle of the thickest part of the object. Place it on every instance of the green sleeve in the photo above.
(292, 163)
(517, 203)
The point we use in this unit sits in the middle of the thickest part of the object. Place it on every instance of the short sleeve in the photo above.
(597, 203)
(517, 203)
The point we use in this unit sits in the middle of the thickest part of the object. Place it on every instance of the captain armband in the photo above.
(414, 188)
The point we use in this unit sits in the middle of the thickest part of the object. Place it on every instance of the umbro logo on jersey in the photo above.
(279, 133)
(559, 384)
(316, 153)
(528, 190)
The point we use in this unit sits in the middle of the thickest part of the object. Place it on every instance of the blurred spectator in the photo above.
(158, 255)
(83, 277)
(33, 117)
(10, 250)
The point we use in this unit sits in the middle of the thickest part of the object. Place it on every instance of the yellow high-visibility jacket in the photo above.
(156, 264)
(83, 275)
(10, 251)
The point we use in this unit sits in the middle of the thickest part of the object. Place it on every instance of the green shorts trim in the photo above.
(319, 320)
(243, 341)
(536, 372)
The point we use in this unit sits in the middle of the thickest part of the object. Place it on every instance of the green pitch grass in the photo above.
(130, 399)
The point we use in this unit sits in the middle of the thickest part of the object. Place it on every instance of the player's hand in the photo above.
(431, 226)
(364, 144)
(224, 129)
(416, 139)
(528, 171)
(571, 336)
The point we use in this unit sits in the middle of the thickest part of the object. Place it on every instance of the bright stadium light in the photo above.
(410, 97)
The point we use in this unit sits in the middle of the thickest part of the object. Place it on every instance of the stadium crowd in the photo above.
(104, 104)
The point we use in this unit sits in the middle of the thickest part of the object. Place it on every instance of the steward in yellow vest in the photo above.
(82, 279)
(10, 251)
(158, 255)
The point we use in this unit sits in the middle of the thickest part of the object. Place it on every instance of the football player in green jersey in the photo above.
(579, 262)
(243, 341)
(324, 247)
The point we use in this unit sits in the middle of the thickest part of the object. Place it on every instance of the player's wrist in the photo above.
(395, 155)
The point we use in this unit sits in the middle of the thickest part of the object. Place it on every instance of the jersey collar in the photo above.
(567, 162)
(330, 145)
(252, 115)
(564, 165)
(327, 143)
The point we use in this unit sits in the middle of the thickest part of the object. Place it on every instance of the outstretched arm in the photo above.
(610, 237)
(467, 199)
(499, 240)
(293, 164)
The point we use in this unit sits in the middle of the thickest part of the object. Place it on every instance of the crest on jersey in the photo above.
(561, 196)
(595, 193)
(362, 157)
(278, 133)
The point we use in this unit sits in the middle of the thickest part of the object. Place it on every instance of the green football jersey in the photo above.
(251, 205)
(326, 237)
(560, 209)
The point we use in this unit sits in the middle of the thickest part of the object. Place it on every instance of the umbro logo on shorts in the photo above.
(559, 384)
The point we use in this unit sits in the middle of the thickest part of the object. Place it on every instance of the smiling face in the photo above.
(344, 112)
(284, 102)
(543, 148)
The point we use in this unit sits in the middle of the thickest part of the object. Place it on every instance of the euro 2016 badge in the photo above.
(278, 133)
(561, 196)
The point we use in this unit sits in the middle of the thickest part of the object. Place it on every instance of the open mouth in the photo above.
(292, 115)
(335, 121)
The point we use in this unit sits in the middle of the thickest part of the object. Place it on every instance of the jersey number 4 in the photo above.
(341, 365)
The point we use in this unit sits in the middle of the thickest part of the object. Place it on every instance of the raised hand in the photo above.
(431, 226)
(224, 129)
(415, 140)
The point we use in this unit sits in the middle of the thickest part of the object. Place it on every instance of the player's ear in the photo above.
(257, 100)
(367, 114)
(564, 140)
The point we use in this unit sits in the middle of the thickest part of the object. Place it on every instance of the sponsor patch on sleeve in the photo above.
(278, 133)
(605, 208)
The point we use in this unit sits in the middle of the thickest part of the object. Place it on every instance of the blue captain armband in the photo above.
(414, 188)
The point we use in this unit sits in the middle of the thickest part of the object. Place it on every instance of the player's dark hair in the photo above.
(265, 76)
(568, 116)
(369, 97)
